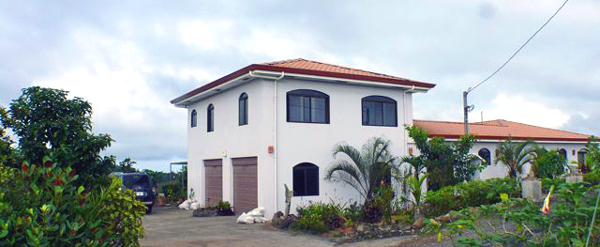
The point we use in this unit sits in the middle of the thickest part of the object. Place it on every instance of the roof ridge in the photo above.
(335, 65)
(547, 128)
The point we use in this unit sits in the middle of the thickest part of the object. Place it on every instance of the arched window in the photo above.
(485, 154)
(210, 118)
(243, 109)
(563, 153)
(307, 106)
(379, 111)
(581, 156)
(194, 119)
(306, 180)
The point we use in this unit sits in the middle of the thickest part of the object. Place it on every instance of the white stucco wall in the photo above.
(295, 143)
(306, 142)
(229, 140)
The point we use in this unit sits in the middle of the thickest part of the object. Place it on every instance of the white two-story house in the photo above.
(266, 125)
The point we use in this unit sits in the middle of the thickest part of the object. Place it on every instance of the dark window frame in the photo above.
(563, 153)
(489, 155)
(376, 99)
(194, 119)
(210, 118)
(302, 171)
(243, 109)
(310, 94)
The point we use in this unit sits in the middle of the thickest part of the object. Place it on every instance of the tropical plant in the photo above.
(547, 164)
(514, 155)
(518, 222)
(47, 123)
(447, 164)
(363, 170)
(416, 184)
(43, 206)
(592, 157)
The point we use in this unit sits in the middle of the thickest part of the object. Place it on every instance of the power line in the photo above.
(520, 48)
(466, 107)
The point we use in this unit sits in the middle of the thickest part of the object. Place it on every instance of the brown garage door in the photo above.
(213, 181)
(245, 184)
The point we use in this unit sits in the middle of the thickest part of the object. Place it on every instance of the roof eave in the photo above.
(184, 100)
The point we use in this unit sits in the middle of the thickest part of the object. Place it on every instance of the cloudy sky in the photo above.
(129, 58)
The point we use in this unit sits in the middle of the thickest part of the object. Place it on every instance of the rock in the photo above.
(277, 217)
(203, 212)
(360, 228)
(287, 222)
(419, 224)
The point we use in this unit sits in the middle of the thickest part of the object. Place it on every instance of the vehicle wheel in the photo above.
(148, 209)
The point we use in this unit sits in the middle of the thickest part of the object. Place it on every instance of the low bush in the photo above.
(468, 194)
(223, 208)
(319, 218)
(592, 177)
(173, 192)
(517, 222)
(41, 206)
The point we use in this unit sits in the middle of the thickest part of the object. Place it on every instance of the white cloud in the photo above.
(206, 35)
(519, 109)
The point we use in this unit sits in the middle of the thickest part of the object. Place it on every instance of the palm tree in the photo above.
(366, 169)
(514, 155)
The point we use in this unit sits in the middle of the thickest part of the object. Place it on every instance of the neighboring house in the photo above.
(490, 133)
(266, 125)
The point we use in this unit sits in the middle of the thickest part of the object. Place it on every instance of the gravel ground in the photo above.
(169, 226)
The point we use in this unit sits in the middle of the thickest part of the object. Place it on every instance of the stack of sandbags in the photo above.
(254, 216)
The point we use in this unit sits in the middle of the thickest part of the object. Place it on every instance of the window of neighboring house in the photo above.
(581, 156)
(194, 119)
(210, 118)
(379, 111)
(563, 153)
(306, 180)
(486, 155)
(243, 111)
(307, 106)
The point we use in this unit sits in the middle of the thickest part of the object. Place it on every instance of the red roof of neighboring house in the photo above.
(308, 67)
(498, 130)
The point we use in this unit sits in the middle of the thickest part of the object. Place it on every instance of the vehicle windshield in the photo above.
(138, 179)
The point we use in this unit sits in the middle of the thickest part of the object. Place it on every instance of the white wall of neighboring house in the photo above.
(494, 170)
(294, 143)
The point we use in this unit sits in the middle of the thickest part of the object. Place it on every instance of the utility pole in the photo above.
(467, 108)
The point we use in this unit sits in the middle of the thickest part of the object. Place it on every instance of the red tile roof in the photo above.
(498, 130)
(308, 67)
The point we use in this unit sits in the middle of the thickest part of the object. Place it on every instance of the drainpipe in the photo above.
(275, 146)
(411, 90)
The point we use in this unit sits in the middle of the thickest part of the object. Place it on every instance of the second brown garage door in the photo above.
(245, 184)
(213, 181)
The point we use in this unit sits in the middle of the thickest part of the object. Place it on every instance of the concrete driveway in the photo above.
(169, 226)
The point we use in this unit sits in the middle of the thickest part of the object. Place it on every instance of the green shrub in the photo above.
(224, 208)
(592, 177)
(41, 206)
(174, 192)
(567, 223)
(319, 218)
(468, 194)
(548, 182)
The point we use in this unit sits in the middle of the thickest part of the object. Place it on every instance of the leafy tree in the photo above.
(47, 123)
(447, 164)
(365, 169)
(592, 157)
(514, 155)
(547, 164)
(126, 165)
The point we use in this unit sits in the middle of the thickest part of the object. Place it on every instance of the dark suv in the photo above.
(141, 184)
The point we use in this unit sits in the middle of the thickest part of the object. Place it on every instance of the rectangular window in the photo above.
(379, 111)
(307, 109)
